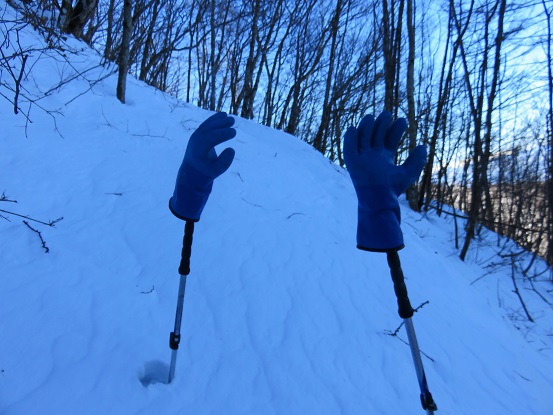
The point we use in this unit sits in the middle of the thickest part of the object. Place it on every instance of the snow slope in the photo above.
(282, 314)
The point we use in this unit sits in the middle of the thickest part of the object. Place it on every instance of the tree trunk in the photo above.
(212, 69)
(124, 53)
(248, 92)
(482, 125)
(108, 53)
(549, 157)
(413, 190)
(391, 44)
(145, 64)
(320, 140)
(77, 17)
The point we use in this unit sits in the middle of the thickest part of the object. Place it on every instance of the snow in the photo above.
(282, 314)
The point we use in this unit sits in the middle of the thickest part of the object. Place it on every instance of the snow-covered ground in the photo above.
(282, 314)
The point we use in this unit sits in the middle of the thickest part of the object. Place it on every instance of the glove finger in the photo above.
(365, 131)
(223, 162)
(350, 145)
(414, 164)
(217, 120)
(395, 132)
(380, 128)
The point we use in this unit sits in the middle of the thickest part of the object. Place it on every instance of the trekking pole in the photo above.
(405, 311)
(184, 270)
(200, 167)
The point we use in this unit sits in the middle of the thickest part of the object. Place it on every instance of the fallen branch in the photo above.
(46, 249)
(396, 331)
(517, 291)
(52, 223)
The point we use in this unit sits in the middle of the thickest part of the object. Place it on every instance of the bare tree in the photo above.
(549, 146)
(110, 13)
(308, 45)
(74, 17)
(481, 98)
(412, 191)
(439, 116)
(392, 27)
(124, 53)
(266, 18)
(321, 137)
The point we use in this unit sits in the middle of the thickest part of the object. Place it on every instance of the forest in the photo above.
(472, 77)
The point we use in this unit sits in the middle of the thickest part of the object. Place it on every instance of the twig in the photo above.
(395, 334)
(530, 280)
(52, 223)
(46, 249)
(396, 331)
(18, 83)
(523, 377)
(148, 292)
(4, 198)
(149, 135)
(250, 203)
(404, 342)
(516, 290)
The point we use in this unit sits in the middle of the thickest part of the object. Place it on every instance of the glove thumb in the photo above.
(412, 167)
(410, 170)
(223, 162)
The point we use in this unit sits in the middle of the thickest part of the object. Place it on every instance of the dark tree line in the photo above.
(463, 72)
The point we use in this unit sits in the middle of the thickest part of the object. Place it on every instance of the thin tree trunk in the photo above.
(109, 33)
(549, 158)
(248, 92)
(320, 139)
(212, 70)
(413, 190)
(124, 53)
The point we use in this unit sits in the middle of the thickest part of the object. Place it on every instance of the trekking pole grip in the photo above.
(184, 267)
(404, 305)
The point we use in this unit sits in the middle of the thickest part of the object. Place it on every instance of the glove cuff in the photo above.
(191, 193)
(378, 230)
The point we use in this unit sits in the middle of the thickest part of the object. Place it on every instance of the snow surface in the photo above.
(282, 314)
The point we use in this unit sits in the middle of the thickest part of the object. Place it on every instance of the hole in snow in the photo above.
(154, 372)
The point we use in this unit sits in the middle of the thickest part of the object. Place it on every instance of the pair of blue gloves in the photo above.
(369, 152)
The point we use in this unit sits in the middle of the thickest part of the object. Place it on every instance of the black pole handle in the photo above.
(404, 305)
(184, 270)
(184, 267)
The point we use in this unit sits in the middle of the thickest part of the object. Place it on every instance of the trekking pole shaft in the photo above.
(405, 311)
(427, 400)
(184, 270)
(175, 334)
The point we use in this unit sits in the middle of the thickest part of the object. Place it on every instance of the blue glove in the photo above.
(201, 166)
(369, 152)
